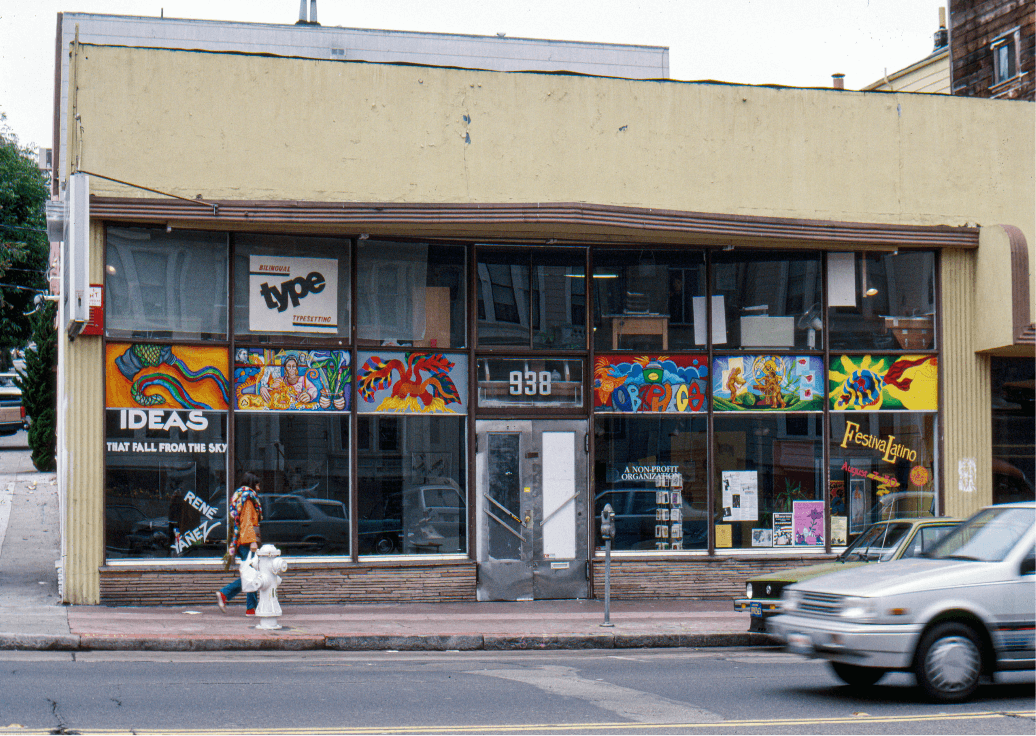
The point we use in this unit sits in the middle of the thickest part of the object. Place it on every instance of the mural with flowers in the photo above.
(808, 523)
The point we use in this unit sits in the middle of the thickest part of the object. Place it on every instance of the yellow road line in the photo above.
(554, 727)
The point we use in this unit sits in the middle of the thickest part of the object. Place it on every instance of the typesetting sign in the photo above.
(287, 294)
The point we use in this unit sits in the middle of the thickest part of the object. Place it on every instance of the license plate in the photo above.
(800, 644)
(755, 609)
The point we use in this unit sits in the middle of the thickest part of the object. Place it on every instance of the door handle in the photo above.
(528, 520)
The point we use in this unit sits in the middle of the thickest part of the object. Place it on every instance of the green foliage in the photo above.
(24, 249)
(39, 388)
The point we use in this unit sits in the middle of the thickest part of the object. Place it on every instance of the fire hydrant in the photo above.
(259, 573)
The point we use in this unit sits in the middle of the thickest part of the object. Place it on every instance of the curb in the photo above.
(382, 642)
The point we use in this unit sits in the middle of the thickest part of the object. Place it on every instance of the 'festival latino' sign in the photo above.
(288, 294)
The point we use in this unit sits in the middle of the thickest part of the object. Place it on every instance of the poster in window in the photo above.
(783, 530)
(767, 383)
(740, 495)
(762, 537)
(884, 382)
(651, 384)
(146, 376)
(808, 521)
(292, 380)
(292, 294)
(858, 503)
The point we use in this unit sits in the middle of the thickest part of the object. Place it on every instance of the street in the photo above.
(733, 690)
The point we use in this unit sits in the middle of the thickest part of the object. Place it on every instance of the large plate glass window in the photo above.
(530, 382)
(532, 298)
(165, 285)
(410, 294)
(165, 450)
(290, 285)
(881, 301)
(652, 470)
(649, 300)
(1014, 429)
(767, 300)
(769, 481)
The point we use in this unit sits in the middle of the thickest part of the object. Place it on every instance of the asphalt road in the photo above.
(725, 691)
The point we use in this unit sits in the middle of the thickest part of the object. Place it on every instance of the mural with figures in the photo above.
(889, 382)
(292, 380)
(166, 377)
(651, 383)
(767, 383)
(423, 383)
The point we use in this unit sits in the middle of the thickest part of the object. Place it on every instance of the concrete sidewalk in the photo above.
(32, 617)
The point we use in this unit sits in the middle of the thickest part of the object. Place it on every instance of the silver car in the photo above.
(967, 608)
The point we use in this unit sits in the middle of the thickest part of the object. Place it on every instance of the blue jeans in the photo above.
(232, 589)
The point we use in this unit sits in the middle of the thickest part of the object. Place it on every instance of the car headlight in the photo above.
(748, 590)
(790, 600)
(859, 609)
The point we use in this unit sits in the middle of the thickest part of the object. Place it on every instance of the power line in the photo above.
(20, 227)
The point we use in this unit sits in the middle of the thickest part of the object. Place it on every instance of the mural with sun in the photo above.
(884, 382)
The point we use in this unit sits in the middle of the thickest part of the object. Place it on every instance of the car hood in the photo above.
(798, 574)
(897, 576)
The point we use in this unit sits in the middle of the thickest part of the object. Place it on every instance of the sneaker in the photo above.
(221, 601)
(250, 612)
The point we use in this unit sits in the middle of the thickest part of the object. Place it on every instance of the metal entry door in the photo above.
(532, 505)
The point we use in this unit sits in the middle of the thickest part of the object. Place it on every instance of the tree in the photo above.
(39, 387)
(24, 249)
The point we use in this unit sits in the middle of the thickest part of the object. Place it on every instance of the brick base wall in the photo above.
(701, 578)
(447, 582)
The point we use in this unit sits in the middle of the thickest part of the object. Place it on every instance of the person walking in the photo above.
(246, 512)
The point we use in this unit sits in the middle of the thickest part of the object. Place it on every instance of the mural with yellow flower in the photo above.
(884, 382)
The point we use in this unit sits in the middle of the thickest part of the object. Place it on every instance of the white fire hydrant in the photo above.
(259, 573)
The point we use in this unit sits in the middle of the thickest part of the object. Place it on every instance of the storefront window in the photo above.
(769, 300)
(882, 467)
(165, 449)
(302, 460)
(411, 489)
(769, 476)
(290, 285)
(530, 382)
(881, 301)
(165, 285)
(1014, 429)
(649, 300)
(532, 298)
(410, 294)
(652, 470)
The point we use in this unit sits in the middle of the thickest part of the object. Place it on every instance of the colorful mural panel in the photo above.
(166, 377)
(292, 380)
(651, 383)
(884, 382)
(412, 383)
(767, 383)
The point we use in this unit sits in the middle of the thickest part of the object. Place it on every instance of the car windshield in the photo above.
(987, 536)
(879, 542)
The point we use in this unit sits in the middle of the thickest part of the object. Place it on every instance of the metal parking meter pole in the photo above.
(607, 532)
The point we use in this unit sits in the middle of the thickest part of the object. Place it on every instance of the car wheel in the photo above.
(316, 546)
(384, 546)
(948, 662)
(854, 674)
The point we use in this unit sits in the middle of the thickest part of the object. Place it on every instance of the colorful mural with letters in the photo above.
(889, 382)
(166, 377)
(422, 383)
(767, 383)
(651, 383)
(292, 380)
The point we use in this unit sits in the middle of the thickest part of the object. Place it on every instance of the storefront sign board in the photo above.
(888, 382)
(291, 294)
(651, 384)
(767, 383)
(292, 380)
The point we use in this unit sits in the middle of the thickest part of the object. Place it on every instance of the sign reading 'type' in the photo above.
(288, 294)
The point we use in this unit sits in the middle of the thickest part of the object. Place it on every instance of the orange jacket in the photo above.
(248, 525)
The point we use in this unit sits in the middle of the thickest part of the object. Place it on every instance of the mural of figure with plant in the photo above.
(334, 370)
(292, 380)
(769, 380)
(735, 383)
(139, 357)
(411, 391)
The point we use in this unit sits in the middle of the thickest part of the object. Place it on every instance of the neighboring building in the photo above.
(992, 45)
(931, 74)
(448, 314)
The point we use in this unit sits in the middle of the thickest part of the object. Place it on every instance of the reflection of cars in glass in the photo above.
(636, 517)
(902, 505)
(129, 530)
(884, 541)
(435, 518)
(967, 608)
(12, 413)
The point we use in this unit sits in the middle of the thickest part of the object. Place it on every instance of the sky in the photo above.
(789, 42)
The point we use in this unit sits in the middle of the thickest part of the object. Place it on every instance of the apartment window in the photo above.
(1005, 56)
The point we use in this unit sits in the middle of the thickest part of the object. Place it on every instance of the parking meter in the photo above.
(608, 522)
